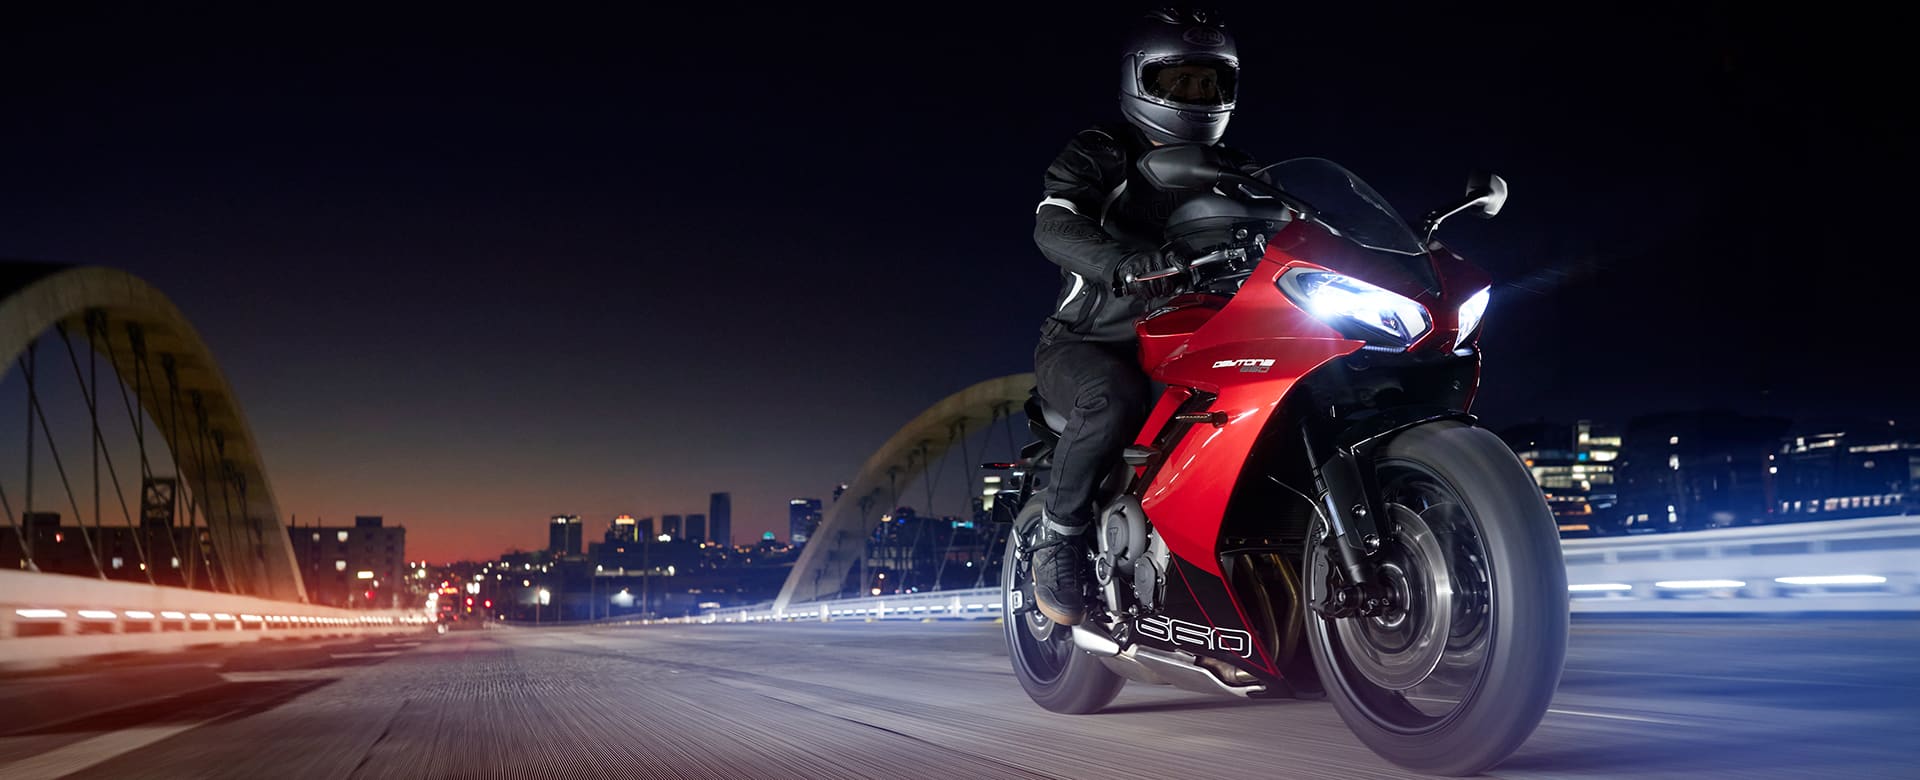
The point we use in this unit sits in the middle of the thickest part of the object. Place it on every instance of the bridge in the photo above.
(185, 646)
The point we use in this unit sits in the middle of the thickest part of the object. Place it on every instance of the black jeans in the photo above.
(1101, 390)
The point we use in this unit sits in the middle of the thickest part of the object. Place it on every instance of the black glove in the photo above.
(1127, 281)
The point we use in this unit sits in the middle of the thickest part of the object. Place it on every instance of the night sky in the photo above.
(470, 267)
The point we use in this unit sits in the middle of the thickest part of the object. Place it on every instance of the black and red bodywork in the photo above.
(1228, 494)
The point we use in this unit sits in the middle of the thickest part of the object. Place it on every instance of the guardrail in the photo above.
(1863, 565)
(48, 618)
(1868, 564)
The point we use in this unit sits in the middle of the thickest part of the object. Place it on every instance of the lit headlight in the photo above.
(1470, 314)
(1356, 308)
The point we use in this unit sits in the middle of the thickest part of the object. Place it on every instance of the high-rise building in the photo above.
(646, 528)
(696, 528)
(720, 518)
(624, 529)
(803, 518)
(564, 535)
(1573, 467)
(341, 566)
(670, 526)
(1695, 470)
(1866, 471)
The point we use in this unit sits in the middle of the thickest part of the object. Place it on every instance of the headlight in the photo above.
(1355, 308)
(1470, 314)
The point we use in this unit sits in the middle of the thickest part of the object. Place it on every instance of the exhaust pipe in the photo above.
(1095, 640)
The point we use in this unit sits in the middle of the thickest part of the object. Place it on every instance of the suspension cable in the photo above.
(195, 554)
(26, 510)
(980, 575)
(1013, 446)
(136, 353)
(91, 392)
(33, 401)
(955, 433)
(137, 344)
(217, 446)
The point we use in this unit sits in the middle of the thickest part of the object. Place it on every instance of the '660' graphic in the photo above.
(1181, 632)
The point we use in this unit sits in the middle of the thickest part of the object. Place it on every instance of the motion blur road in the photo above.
(1646, 698)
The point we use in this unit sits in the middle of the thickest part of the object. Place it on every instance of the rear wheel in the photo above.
(1460, 671)
(1055, 674)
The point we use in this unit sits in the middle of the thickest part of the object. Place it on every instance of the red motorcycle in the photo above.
(1310, 510)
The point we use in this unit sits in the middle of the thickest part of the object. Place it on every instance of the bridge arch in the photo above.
(188, 397)
(841, 539)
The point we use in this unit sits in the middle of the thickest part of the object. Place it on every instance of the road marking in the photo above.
(1607, 716)
(343, 656)
(89, 752)
(283, 675)
(402, 645)
(1725, 678)
(1576, 713)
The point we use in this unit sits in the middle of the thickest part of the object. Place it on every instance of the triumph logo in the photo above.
(1202, 36)
(1181, 632)
(1247, 365)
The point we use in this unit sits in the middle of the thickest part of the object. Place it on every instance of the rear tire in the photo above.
(1479, 514)
(1055, 674)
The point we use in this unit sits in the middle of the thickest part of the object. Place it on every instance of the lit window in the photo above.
(339, 565)
(316, 536)
(342, 536)
(117, 563)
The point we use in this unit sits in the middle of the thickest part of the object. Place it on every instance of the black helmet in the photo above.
(1178, 76)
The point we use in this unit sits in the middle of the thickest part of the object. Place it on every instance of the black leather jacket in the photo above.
(1098, 212)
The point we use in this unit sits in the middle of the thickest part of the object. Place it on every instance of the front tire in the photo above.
(1461, 672)
(1055, 674)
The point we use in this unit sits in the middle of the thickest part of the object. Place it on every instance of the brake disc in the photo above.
(1401, 648)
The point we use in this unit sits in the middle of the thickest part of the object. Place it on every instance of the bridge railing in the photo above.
(1864, 565)
(1868, 564)
(48, 618)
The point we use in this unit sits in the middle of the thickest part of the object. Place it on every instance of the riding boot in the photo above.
(1060, 568)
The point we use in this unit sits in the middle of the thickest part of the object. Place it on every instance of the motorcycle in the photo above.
(1310, 510)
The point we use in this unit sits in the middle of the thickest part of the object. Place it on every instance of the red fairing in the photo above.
(1249, 353)
(1164, 331)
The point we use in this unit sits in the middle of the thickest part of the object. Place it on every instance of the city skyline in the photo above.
(466, 271)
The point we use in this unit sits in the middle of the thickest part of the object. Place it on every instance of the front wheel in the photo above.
(1458, 673)
(1055, 674)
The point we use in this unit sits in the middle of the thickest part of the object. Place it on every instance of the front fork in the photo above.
(1343, 475)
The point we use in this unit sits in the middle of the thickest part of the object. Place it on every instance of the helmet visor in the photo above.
(1200, 82)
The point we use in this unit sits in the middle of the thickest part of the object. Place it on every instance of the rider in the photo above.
(1101, 223)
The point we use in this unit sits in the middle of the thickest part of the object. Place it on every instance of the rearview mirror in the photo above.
(1486, 194)
(1489, 193)
(1182, 167)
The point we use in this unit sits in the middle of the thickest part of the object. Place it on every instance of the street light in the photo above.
(545, 598)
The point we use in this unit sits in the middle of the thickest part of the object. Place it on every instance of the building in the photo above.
(645, 525)
(1867, 471)
(720, 518)
(564, 535)
(696, 528)
(1693, 470)
(803, 518)
(1573, 465)
(359, 567)
(150, 553)
(670, 527)
(625, 529)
